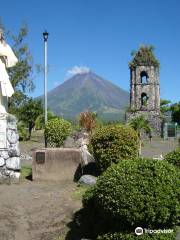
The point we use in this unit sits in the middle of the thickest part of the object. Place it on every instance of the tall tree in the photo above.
(29, 112)
(176, 112)
(165, 105)
(21, 74)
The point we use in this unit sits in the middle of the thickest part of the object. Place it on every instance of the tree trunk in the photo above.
(30, 129)
(140, 145)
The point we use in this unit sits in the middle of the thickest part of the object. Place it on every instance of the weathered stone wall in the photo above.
(154, 118)
(151, 88)
(10, 154)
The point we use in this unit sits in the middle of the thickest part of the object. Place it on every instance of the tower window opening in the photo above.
(144, 77)
(144, 99)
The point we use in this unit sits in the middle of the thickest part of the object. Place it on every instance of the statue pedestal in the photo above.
(9, 149)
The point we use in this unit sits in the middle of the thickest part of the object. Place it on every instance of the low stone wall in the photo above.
(57, 164)
(9, 149)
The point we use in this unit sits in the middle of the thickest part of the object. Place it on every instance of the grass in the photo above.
(59, 238)
(26, 172)
(79, 191)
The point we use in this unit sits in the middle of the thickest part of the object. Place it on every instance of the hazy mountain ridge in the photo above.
(88, 91)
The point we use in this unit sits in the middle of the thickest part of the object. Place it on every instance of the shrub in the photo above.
(56, 131)
(22, 131)
(174, 157)
(143, 192)
(121, 236)
(87, 120)
(112, 143)
(88, 197)
(39, 123)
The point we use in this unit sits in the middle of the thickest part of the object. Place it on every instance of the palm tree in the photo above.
(140, 125)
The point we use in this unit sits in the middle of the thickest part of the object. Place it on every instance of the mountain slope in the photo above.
(88, 91)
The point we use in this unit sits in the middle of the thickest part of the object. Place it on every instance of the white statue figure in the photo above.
(86, 157)
(7, 59)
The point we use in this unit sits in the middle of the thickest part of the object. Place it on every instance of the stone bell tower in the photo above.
(145, 88)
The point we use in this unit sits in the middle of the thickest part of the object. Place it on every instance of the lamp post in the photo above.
(45, 36)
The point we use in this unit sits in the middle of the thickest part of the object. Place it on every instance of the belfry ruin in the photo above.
(145, 88)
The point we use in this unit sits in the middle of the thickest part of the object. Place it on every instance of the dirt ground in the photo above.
(41, 210)
(36, 211)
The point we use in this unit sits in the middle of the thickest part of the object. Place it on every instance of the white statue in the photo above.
(86, 157)
(7, 59)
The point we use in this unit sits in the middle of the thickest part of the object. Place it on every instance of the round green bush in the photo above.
(142, 192)
(173, 157)
(123, 236)
(112, 143)
(56, 131)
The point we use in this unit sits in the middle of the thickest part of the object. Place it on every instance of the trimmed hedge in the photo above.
(142, 192)
(56, 131)
(173, 157)
(112, 143)
(121, 236)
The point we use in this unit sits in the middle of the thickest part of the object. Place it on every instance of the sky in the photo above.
(100, 35)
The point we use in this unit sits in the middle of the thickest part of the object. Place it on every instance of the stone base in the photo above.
(9, 149)
(154, 118)
(56, 164)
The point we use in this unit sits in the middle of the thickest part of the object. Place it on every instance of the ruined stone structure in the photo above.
(9, 149)
(145, 89)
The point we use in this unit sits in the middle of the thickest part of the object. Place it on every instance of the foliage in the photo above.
(26, 171)
(175, 108)
(144, 57)
(87, 120)
(39, 123)
(127, 236)
(173, 157)
(176, 112)
(112, 143)
(29, 112)
(140, 124)
(22, 131)
(79, 191)
(142, 192)
(56, 131)
(165, 105)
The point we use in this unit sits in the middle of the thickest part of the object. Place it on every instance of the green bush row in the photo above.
(112, 143)
(121, 236)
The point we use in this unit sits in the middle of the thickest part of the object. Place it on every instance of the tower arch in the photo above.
(145, 88)
(144, 77)
(144, 100)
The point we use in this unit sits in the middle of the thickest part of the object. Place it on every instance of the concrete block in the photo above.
(56, 164)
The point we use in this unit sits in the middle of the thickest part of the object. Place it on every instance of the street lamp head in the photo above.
(45, 35)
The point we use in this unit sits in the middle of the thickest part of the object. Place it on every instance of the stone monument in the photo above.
(145, 89)
(9, 144)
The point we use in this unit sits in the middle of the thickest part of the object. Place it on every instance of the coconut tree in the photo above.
(140, 125)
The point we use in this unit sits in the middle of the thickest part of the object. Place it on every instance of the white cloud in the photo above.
(77, 70)
(56, 83)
